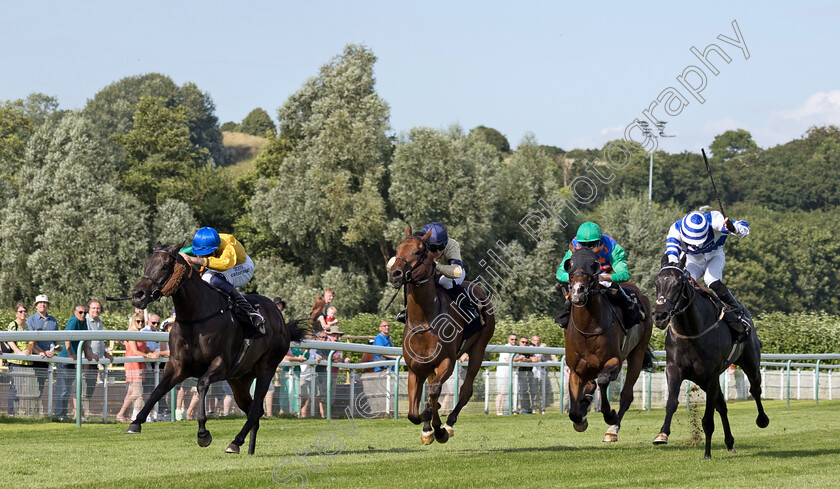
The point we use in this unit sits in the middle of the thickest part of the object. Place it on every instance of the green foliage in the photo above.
(174, 222)
(732, 143)
(70, 233)
(810, 332)
(492, 137)
(230, 126)
(258, 123)
(15, 129)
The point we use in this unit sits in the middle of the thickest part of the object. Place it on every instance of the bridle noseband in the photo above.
(685, 283)
(407, 275)
(168, 288)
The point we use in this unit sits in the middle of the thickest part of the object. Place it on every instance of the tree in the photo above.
(15, 129)
(174, 222)
(327, 197)
(732, 143)
(230, 126)
(71, 233)
(258, 123)
(492, 137)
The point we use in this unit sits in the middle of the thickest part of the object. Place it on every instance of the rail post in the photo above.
(649, 387)
(787, 396)
(487, 390)
(397, 386)
(457, 380)
(352, 393)
(329, 384)
(105, 394)
(817, 383)
(688, 395)
(50, 368)
(563, 385)
(510, 385)
(79, 409)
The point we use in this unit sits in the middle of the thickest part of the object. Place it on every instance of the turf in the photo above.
(798, 449)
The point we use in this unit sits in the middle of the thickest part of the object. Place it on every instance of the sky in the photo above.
(573, 74)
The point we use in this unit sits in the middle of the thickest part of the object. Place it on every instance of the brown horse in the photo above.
(434, 335)
(596, 345)
(205, 342)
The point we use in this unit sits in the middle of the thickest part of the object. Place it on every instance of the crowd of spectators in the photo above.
(28, 376)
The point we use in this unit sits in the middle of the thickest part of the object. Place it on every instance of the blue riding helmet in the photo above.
(205, 241)
(439, 236)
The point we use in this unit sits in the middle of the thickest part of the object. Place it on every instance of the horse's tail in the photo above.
(298, 329)
(647, 363)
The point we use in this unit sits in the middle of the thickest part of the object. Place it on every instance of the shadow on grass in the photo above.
(798, 453)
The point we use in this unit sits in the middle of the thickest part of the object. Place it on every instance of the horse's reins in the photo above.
(689, 298)
(579, 273)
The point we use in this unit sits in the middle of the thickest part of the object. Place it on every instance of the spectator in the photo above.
(330, 320)
(283, 398)
(149, 384)
(503, 380)
(316, 317)
(307, 390)
(538, 375)
(526, 379)
(134, 372)
(163, 352)
(41, 321)
(167, 323)
(94, 323)
(280, 303)
(383, 339)
(334, 334)
(20, 370)
(66, 372)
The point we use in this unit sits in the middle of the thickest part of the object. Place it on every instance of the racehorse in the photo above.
(434, 334)
(699, 347)
(597, 345)
(206, 342)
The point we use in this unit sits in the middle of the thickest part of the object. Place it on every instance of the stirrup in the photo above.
(401, 316)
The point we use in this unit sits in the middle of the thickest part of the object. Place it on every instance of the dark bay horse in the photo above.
(433, 335)
(699, 347)
(206, 343)
(596, 345)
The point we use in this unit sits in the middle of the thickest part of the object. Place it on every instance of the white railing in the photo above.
(788, 363)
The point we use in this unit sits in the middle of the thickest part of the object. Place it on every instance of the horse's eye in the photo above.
(417, 252)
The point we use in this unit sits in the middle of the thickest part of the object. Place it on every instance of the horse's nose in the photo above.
(395, 275)
(137, 297)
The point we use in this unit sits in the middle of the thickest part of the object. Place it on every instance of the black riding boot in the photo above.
(256, 318)
(401, 316)
(632, 314)
(562, 319)
(732, 312)
(459, 296)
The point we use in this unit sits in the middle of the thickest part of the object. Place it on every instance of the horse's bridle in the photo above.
(685, 283)
(167, 288)
(407, 275)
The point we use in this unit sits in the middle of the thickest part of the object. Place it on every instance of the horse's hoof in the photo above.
(427, 437)
(205, 440)
(442, 436)
(661, 439)
(449, 430)
(762, 421)
(732, 450)
(135, 428)
(232, 448)
(581, 427)
(610, 438)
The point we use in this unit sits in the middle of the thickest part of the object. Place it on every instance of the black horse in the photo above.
(206, 342)
(699, 347)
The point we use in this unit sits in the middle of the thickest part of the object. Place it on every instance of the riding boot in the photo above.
(459, 296)
(401, 316)
(562, 319)
(632, 314)
(256, 318)
(732, 312)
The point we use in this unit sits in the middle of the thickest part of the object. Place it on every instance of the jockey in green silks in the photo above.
(614, 270)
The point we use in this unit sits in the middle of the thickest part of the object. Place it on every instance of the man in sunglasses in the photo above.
(450, 266)
(700, 236)
(614, 270)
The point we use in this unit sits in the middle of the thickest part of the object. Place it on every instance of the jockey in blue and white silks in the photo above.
(701, 236)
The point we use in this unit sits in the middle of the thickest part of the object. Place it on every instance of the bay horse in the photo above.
(206, 342)
(699, 347)
(597, 346)
(434, 335)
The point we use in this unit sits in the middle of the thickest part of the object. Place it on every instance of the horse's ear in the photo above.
(665, 261)
(595, 267)
(408, 231)
(567, 265)
(427, 235)
(158, 245)
(682, 261)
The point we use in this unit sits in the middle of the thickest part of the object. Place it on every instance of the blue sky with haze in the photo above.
(572, 73)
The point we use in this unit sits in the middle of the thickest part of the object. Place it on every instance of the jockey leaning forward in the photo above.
(701, 237)
(614, 270)
(227, 267)
(448, 263)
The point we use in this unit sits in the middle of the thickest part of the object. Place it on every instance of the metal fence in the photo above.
(324, 389)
